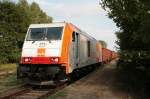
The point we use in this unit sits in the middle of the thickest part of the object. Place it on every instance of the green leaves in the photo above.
(14, 21)
(37, 15)
(104, 44)
(133, 19)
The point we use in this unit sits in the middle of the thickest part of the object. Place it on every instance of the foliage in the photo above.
(38, 15)
(133, 19)
(104, 44)
(15, 19)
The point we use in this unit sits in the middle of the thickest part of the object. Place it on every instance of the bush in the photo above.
(134, 59)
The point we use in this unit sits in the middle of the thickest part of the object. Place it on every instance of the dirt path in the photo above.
(97, 85)
(108, 82)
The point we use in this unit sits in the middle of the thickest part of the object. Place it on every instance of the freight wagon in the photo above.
(114, 55)
(106, 55)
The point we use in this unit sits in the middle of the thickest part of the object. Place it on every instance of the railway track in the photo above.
(6, 73)
(30, 92)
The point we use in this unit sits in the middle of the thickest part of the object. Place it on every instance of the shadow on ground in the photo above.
(134, 83)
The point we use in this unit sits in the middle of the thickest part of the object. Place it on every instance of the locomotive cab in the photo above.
(41, 55)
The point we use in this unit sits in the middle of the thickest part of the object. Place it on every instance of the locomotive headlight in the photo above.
(55, 60)
(27, 59)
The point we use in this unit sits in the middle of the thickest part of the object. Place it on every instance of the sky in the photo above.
(85, 14)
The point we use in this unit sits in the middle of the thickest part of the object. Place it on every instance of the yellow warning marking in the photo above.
(41, 51)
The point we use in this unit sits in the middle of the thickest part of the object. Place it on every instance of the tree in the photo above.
(133, 18)
(25, 12)
(37, 15)
(104, 44)
(9, 26)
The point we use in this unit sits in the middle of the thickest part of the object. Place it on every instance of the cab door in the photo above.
(75, 49)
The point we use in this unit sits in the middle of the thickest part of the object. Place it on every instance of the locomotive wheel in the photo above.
(75, 75)
(60, 77)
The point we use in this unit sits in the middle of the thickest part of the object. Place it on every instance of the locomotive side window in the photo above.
(73, 37)
(89, 49)
(77, 45)
(54, 33)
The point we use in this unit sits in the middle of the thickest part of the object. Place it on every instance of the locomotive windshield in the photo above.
(54, 33)
(50, 33)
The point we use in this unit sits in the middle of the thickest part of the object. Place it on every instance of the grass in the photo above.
(7, 67)
(58, 94)
(10, 80)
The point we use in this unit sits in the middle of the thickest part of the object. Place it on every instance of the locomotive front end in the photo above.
(41, 55)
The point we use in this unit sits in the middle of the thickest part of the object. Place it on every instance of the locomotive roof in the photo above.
(60, 24)
(56, 24)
